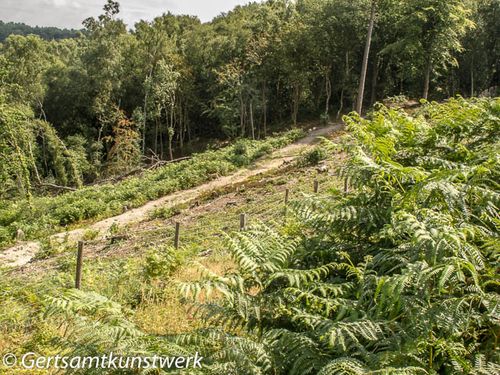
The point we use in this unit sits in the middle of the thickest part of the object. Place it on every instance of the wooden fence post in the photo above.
(243, 221)
(177, 234)
(316, 186)
(79, 264)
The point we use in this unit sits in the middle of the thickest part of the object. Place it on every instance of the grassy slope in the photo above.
(135, 272)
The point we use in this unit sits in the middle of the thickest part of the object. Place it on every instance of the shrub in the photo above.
(161, 262)
(313, 157)
(163, 213)
(241, 153)
(324, 118)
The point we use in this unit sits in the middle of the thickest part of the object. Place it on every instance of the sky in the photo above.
(71, 13)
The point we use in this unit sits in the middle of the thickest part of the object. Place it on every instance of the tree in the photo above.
(163, 86)
(31, 153)
(479, 65)
(125, 152)
(259, 65)
(364, 67)
(154, 45)
(25, 62)
(230, 104)
(47, 33)
(103, 58)
(434, 29)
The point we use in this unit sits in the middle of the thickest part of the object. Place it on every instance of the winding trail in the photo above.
(23, 252)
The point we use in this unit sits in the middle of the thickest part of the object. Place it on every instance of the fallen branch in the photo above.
(54, 186)
(160, 163)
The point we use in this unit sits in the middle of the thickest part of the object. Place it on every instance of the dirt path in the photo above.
(22, 253)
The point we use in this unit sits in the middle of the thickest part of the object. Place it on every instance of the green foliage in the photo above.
(313, 157)
(16, 137)
(63, 163)
(395, 277)
(237, 76)
(160, 262)
(431, 31)
(245, 151)
(90, 234)
(28, 147)
(25, 60)
(112, 98)
(48, 214)
(165, 212)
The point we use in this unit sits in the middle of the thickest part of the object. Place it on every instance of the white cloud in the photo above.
(60, 3)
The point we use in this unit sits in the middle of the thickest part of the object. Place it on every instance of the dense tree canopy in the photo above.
(175, 79)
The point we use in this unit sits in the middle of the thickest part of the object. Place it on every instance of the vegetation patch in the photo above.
(398, 275)
(42, 215)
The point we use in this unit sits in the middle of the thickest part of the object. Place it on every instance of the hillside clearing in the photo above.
(23, 253)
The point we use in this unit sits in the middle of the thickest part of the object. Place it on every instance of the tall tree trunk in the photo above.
(242, 115)
(144, 121)
(251, 120)
(427, 79)
(161, 136)
(472, 78)
(295, 103)
(182, 130)
(341, 107)
(145, 115)
(169, 144)
(364, 66)
(264, 108)
(170, 152)
(328, 90)
(39, 180)
(171, 131)
(374, 81)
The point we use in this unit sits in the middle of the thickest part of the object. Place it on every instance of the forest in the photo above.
(48, 33)
(111, 99)
(390, 265)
